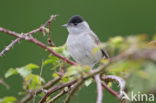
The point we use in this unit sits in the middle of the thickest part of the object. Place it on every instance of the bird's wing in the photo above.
(98, 42)
(94, 37)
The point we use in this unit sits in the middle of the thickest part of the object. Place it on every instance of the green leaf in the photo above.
(55, 75)
(34, 81)
(109, 84)
(88, 82)
(32, 66)
(154, 37)
(66, 53)
(56, 66)
(9, 99)
(47, 61)
(24, 71)
(62, 50)
(74, 72)
(95, 50)
(58, 49)
(66, 79)
(53, 60)
(86, 68)
(10, 72)
(116, 40)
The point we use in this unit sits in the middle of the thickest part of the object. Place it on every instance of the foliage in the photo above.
(8, 99)
(31, 81)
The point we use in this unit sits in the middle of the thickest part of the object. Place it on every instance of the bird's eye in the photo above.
(75, 24)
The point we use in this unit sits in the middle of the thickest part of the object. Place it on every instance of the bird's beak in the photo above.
(65, 25)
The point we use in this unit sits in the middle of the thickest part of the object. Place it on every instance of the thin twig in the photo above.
(51, 43)
(73, 90)
(52, 18)
(9, 46)
(34, 101)
(5, 84)
(41, 71)
(57, 96)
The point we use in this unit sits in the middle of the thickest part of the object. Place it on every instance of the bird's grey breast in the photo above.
(80, 47)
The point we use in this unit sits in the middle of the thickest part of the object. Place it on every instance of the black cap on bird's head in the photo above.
(74, 20)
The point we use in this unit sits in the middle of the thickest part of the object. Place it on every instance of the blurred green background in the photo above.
(107, 18)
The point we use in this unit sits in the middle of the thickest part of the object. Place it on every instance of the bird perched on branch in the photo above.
(81, 43)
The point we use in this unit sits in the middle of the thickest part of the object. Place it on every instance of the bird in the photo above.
(81, 42)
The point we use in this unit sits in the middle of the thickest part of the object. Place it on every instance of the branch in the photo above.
(96, 71)
(111, 90)
(57, 96)
(41, 28)
(120, 81)
(38, 43)
(56, 89)
(26, 37)
(99, 88)
(9, 46)
(117, 79)
(91, 74)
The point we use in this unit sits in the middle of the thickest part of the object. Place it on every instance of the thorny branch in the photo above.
(41, 28)
(9, 46)
(31, 39)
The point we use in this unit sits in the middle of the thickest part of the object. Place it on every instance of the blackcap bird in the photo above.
(81, 43)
